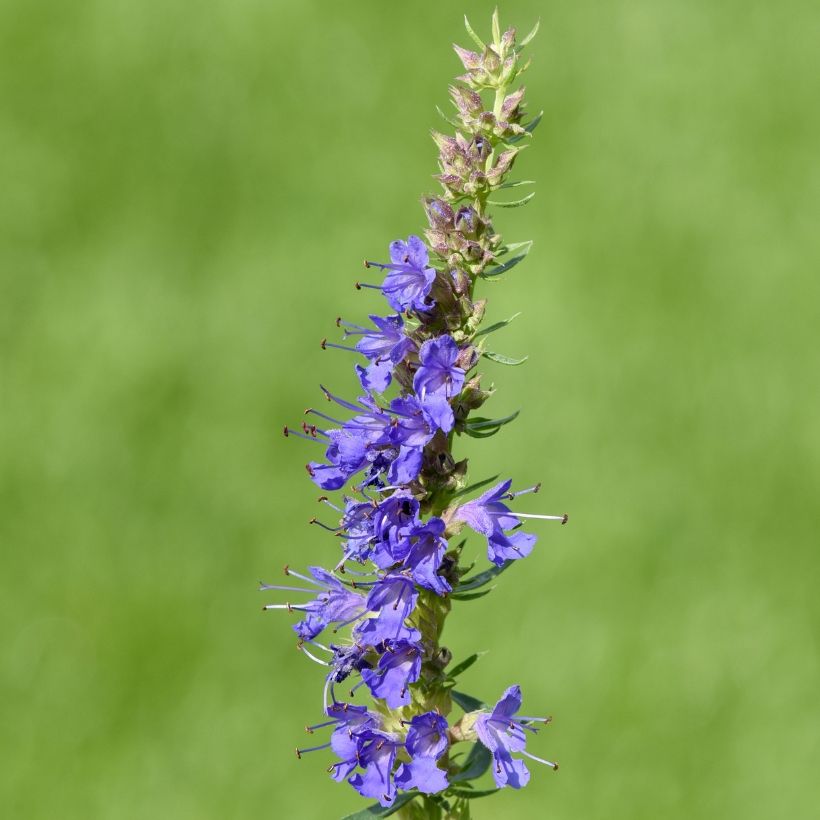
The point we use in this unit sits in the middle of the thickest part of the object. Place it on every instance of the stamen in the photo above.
(326, 344)
(553, 766)
(353, 330)
(289, 432)
(300, 646)
(533, 489)
(324, 500)
(288, 607)
(263, 587)
(562, 518)
(310, 410)
(289, 572)
(330, 397)
(300, 752)
(324, 526)
(310, 729)
(352, 620)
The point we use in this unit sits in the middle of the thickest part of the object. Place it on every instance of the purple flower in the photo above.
(376, 754)
(361, 443)
(418, 421)
(410, 278)
(357, 524)
(426, 554)
(503, 734)
(349, 721)
(335, 603)
(385, 346)
(392, 599)
(393, 519)
(398, 667)
(488, 516)
(426, 742)
(438, 373)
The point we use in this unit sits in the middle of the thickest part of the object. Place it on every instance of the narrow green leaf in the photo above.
(464, 665)
(477, 762)
(496, 27)
(493, 273)
(517, 203)
(533, 124)
(514, 246)
(482, 423)
(482, 578)
(497, 326)
(467, 702)
(517, 184)
(529, 128)
(501, 359)
(528, 39)
(377, 810)
(473, 36)
(481, 433)
(471, 794)
(470, 596)
(477, 486)
(447, 119)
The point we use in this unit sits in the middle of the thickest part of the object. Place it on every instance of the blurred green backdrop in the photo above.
(187, 193)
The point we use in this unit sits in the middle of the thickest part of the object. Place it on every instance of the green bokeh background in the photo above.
(187, 193)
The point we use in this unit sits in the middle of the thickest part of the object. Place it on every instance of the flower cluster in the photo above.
(389, 449)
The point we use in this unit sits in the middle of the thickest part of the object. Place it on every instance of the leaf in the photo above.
(510, 263)
(464, 665)
(477, 762)
(528, 39)
(497, 326)
(482, 578)
(472, 795)
(377, 810)
(501, 359)
(477, 486)
(496, 27)
(447, 119)
(516, 203)
(481, 423)
(516, 184)
(482, 433)
(470, 596)
(533, 124)
(529, 128)
(467, 702)
(473, 36)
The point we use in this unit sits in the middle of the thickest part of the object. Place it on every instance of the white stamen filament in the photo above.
(562, 518)
(540, 760)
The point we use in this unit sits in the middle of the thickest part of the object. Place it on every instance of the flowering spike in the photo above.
(407, 492)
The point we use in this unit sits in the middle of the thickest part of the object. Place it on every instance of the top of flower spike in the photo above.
(495, 64)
